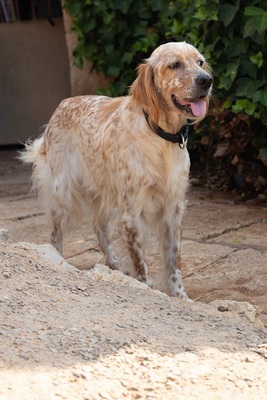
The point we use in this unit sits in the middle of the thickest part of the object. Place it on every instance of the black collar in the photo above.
(179, 137)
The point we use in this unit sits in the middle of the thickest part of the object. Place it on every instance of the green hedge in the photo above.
(117, 35)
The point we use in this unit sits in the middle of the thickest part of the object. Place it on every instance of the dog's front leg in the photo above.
(170, 245)
(134, 240)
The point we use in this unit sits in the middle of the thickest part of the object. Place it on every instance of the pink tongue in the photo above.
(198, 108)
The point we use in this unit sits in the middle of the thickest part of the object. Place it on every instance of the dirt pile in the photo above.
(70, 334)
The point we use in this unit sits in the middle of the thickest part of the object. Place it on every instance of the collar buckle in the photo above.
(183, 142)
(179, 137)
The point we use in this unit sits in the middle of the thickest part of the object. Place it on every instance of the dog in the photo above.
(126, 158)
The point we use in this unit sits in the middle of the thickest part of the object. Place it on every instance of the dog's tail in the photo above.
(57, 179)
(35, 154)
(34, 149)
(41, 179)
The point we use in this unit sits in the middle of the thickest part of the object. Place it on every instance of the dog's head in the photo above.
(175, 80)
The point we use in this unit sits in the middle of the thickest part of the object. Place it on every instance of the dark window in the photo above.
(25, 10)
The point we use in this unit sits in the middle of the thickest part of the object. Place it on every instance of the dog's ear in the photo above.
(144, 92)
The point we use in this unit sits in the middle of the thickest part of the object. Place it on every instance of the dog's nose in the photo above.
(204, 81)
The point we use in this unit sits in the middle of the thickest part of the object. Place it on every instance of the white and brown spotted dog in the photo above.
(126, 157)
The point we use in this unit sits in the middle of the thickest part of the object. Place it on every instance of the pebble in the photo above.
(4, 236)
(24, 356)
(41, 337)
(6, 274)
(104, 395)
(31, 328)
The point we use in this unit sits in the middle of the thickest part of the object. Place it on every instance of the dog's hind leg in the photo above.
(101, 228)
(134, 239)
(56, 237)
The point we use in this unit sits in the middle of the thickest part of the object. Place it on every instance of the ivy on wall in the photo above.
(117, 35)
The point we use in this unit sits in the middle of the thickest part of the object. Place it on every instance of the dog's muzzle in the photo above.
(196, 105)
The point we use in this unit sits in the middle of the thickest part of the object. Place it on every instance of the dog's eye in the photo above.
(200, 63)
(175, 65)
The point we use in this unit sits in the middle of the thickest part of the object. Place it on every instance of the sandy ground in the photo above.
(95, 334)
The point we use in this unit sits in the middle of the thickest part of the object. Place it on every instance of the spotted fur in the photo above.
(101, 153)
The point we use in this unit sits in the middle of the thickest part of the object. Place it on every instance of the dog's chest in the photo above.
(153, 186)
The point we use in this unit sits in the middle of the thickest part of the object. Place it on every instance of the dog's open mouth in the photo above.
(197, 107)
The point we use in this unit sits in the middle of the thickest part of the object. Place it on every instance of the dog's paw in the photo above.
(147, 280)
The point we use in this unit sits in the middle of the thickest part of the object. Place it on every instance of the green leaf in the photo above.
(257, 59)
(201, 14)
(139, 31)
(90, 25)
(227, 104)
(249, 28)
(109, 49)
(260, 17)
(74, 8)
(123, 6)
(246, 87)
(137, 46)
(262, 23)
(244, 105)
(225, 82)
(108, 17)
(248, 69)
(260, 97)
(236, 47)
(231, 70)
(177, 26)
(156, 5)
(127, 57)
(113, 70)
(253, 11)
(227, 13)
